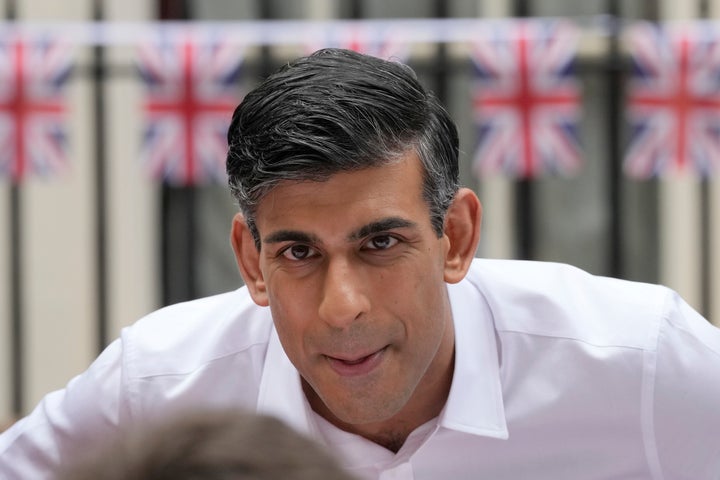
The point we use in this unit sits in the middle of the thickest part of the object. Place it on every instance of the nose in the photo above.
(344, 297)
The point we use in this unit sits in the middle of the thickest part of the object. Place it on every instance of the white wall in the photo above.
(57, 217)
(133, 199)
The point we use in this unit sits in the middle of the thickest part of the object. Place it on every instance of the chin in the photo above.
(359, 412)
(361, 418)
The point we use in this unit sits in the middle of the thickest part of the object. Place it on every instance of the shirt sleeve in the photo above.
(66, 423)
(686, 395)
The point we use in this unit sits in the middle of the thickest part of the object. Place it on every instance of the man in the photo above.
(209, 445)
(367, 323)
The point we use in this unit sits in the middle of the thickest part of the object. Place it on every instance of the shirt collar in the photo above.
(474, 404)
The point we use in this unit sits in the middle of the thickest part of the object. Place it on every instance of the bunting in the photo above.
(526, 99)
(33, 109)
(191, 93)
(673, 103)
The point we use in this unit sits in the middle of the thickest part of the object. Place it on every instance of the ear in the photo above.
(248, 260)
(462, 230)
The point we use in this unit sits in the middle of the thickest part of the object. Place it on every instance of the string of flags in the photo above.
(525, 94)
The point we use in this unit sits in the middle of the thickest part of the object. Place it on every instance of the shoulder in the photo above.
(558, 300)
(636, 346)
(183, 337)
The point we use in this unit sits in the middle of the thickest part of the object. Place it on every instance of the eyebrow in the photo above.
(290, 236)
(382, 225)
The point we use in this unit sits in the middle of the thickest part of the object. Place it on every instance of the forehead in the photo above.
(394, 189)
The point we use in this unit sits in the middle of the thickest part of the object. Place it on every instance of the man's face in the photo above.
(354, 277)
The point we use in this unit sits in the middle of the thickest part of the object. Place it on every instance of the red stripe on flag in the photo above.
(526, 100)
(21, 106)
(189, 106)
(679, 91)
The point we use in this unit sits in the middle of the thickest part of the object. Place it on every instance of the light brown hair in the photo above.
(218, 445)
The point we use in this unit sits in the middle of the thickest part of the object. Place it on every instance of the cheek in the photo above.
(285, 310)
(419, 298)
(286, 295)
(293, 309)
(291, 331)
(428, 279)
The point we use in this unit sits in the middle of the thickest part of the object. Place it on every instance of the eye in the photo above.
(298, 252)
(381, 242)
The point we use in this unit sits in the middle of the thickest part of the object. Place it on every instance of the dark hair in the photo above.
(209, 445)
(338, 110)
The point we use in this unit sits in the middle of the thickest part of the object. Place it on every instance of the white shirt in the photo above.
(558, 375)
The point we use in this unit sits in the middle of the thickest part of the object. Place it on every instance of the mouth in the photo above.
(355, 366)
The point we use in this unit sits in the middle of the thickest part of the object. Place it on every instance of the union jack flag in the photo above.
(33, 76)
(191, 87)
(526, 99)
(674, 100)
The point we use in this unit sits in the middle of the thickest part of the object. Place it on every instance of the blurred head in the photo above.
(333, 111)
(223, 445)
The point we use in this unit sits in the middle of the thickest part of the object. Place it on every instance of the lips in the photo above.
(355, 366)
